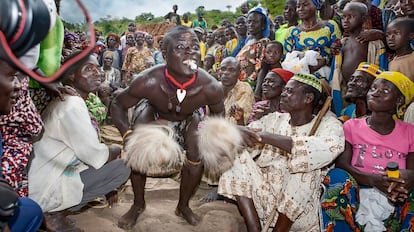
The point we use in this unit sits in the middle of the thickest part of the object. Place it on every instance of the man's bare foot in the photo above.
(188, 215)
(129, 219)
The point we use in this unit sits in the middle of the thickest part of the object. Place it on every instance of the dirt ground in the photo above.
(161, 198)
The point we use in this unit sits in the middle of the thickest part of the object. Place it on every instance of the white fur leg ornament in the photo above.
(219, 141)
(151, 148)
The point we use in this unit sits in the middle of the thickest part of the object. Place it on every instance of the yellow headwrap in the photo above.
(403, 83)
(369, 68)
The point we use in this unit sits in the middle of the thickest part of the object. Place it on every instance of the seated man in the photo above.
(283, 176)
(358, 86)
(71, 166)
(239, 97)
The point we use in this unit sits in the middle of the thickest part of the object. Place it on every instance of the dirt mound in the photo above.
(157, 30)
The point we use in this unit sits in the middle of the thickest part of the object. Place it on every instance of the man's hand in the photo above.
(237, 113)
(250, 137)
(261, 111)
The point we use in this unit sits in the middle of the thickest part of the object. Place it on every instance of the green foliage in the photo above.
(144, 17)
(72, 26)
(274, 7)
(213, 17)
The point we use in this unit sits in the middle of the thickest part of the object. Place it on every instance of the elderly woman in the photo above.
(71, 166)
(313, 34)
(251, 54)
(382, 203)
(272, 87)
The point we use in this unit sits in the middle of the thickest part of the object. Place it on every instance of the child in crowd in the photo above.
(400, 33)
(352, 52)
(272, 58)
(208, 65)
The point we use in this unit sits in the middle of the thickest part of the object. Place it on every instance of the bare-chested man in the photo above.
(175, 91)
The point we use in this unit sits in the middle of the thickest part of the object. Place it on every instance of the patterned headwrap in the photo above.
(308, 79)
(402, 82)
(70, 36)
(317, 3)
(284, 74)
(369, 68)
(262, 11)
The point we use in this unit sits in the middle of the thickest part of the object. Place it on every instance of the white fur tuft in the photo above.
(151, 148)
(219, 141)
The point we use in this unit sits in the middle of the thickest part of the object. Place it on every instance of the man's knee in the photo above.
(120, 169)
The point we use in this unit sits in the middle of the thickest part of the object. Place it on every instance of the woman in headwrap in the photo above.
(272, 87)
(383, 203)
(313, 34)
(68, 45)
(251, 54)
(112, 43)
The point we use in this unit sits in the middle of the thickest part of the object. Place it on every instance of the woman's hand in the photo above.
(336, 47)
(400, 188)
(321, 63)
(58, 90)
(380, 181)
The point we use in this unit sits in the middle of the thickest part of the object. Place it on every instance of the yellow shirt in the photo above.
(231, 45)
(202, 50)
(188, 24)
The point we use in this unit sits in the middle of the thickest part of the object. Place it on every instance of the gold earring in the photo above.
(400, 111)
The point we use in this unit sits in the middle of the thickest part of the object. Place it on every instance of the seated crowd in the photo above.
(320, 98)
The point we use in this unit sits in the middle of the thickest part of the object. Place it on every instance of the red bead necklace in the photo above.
(181, 88)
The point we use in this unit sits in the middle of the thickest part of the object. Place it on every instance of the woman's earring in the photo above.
(400, 110)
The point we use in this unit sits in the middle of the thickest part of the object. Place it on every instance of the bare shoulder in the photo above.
(148, 78)
(208, 80)
(213, 92)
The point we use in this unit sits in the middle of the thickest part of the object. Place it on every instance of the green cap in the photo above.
(308, 79)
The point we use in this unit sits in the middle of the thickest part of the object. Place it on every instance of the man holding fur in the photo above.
(174, 93)
(284, 173)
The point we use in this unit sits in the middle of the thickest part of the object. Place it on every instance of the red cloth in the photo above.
(284, 74)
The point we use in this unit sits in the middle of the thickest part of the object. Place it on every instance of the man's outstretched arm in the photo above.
(119, 109)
